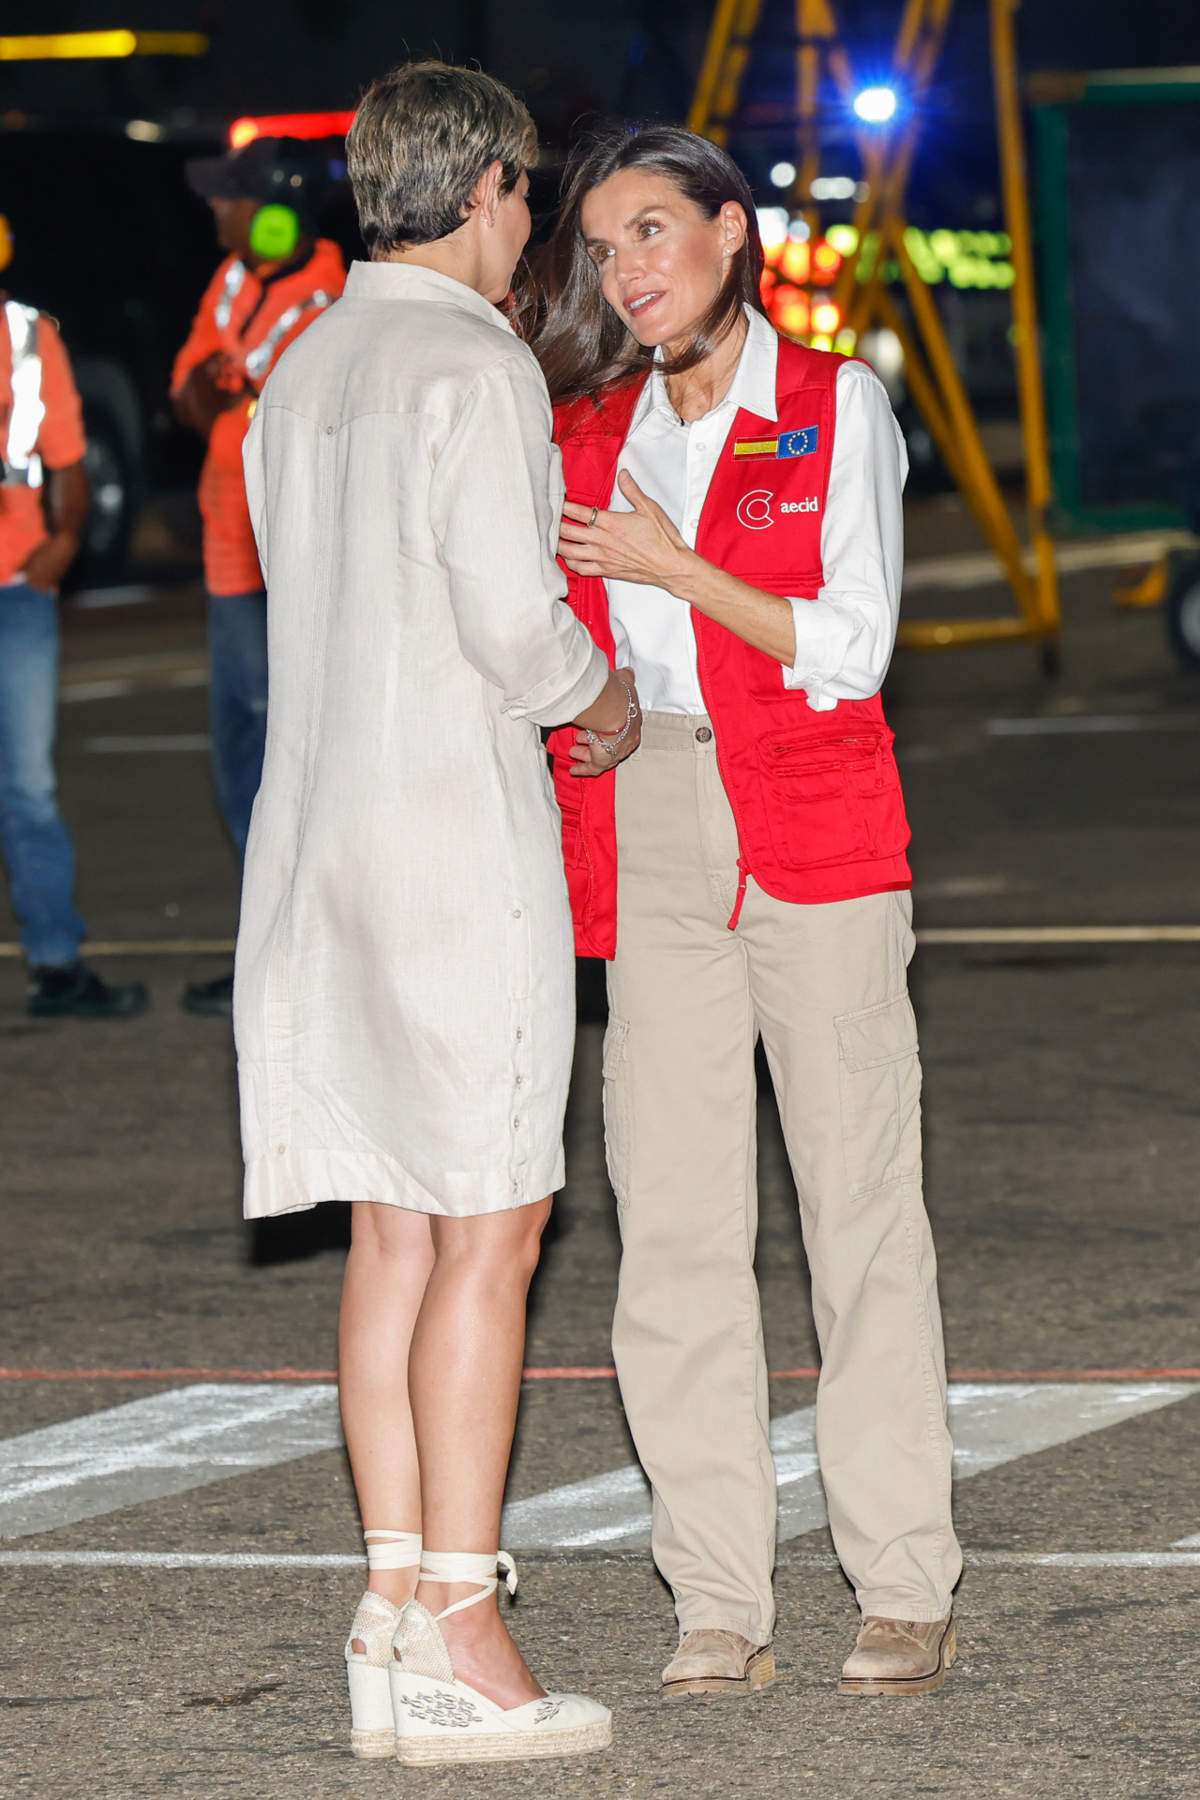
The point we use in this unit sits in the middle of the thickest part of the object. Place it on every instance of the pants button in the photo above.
(703, 735)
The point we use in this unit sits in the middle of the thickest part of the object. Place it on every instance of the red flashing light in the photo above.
(793, 269)
(297, 125)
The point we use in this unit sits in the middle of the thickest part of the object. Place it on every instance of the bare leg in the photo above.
(391, 1256)
(464, 1381)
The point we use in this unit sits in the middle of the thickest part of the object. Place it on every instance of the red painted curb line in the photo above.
(581, 1373)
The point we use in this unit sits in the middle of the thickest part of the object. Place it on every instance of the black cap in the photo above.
(266, 169)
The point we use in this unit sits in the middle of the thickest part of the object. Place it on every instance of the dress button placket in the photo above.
(518, 1139)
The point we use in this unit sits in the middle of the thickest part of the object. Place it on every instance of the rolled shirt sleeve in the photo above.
(496, 501)
(846, 635)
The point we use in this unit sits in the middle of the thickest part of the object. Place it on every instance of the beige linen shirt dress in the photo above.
(404, 990)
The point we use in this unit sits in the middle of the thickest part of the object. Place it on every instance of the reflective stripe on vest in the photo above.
(22, 464)
(235, 275)
(258, 360)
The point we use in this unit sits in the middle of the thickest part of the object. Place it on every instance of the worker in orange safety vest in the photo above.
(275, 280)
(44, 496)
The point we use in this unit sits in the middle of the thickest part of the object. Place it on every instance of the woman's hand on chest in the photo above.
(641, 546)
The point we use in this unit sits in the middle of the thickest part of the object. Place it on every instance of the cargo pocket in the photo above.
(880, 1079)
(832, 800)
(618, 1108)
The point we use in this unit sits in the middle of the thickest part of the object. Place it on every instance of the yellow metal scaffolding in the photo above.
(933, 380)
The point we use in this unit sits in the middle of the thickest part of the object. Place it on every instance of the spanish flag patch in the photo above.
(791, 443)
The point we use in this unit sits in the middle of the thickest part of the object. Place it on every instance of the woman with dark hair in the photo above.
(733, 533)
(404, 996)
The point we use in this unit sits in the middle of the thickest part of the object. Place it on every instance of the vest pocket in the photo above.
(879, 1076)
(832, 800)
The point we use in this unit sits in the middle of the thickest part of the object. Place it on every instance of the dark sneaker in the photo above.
(211, 999)
(77, 992)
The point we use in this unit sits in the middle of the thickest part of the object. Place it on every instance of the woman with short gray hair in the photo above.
(404, 992)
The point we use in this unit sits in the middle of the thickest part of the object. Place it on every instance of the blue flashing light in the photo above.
(875, 105)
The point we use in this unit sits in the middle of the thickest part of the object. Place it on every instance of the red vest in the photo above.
(816, 795)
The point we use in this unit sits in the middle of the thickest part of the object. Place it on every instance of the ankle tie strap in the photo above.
(392, 1549)
(454, 1565)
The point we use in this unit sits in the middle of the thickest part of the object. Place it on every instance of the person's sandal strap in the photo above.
(392, 1549)
(451, 1566)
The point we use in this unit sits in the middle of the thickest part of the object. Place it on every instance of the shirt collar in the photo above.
(411, 281)
(752, 388)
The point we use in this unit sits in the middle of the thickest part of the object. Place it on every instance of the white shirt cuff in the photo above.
(822, 631)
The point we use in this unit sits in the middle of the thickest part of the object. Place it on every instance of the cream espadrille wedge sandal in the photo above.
(441, 1720)
(372, 1727)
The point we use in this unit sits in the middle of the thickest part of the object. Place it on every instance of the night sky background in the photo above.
(634, 57)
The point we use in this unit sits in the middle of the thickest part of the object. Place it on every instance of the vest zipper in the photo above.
(736, 914)
(743, 866)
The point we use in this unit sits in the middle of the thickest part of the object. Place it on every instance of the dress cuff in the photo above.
(563, 697)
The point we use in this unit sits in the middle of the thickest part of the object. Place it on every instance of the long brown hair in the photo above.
(582, 342)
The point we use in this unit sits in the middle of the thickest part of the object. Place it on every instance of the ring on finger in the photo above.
(592, 520)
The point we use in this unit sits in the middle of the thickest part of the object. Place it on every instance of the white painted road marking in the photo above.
(929, 938)
(997, 935)
(194, 1436)
(803, 1559)
(156, 947)
(166, 1444)
(992, 1423)
(1091, 724)
(979, 567)
(96, 599)
(964, 887)
(150, 744)
(110, 678)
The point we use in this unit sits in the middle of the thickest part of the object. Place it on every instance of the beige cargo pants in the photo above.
(826, 987)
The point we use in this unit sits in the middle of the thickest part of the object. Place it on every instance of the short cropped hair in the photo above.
(421, 139)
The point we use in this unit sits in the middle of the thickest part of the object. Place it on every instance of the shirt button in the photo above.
(520, 1034)
(281, 1150)
(329, 430)
(516, 1122)
(520, 1079)
(704, 735)
(516, 913)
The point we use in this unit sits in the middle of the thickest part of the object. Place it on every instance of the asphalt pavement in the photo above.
(178, 1540)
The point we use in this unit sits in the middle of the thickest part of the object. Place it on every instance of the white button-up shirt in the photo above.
(845, 634)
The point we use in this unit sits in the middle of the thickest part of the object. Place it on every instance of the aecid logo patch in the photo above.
(754, 508)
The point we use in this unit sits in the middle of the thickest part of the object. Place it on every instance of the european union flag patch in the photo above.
(791, 443)
(799, 443)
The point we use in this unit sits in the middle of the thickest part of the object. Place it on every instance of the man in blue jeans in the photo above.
(43, 506)
(277, 277)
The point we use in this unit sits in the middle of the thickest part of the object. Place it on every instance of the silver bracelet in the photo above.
(612, 744)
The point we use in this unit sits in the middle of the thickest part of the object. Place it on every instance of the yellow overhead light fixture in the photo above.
(90, 46)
